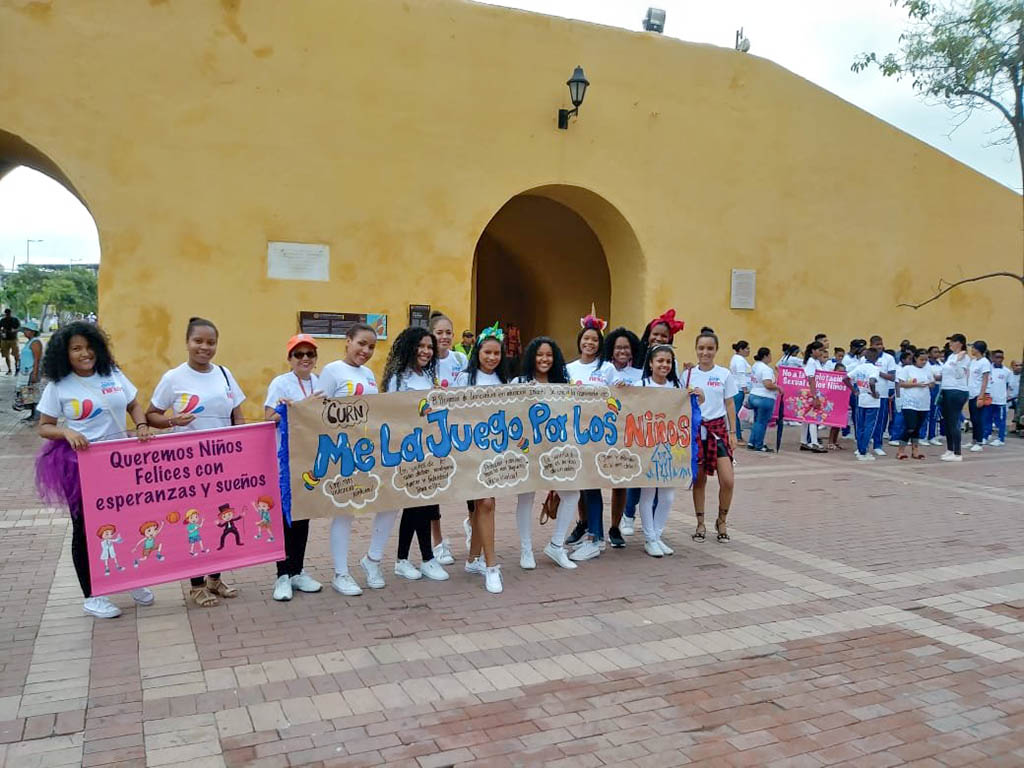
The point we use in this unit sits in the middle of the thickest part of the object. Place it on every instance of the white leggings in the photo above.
(811, 434)
(654, 520)
(341, 532)
(566, 517)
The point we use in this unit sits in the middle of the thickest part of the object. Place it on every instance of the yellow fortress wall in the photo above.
(196, 131)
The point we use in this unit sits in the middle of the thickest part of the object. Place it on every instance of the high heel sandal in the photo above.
(700, 535)
(720, 529)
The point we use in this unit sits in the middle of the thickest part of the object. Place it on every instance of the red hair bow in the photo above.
(668, 317)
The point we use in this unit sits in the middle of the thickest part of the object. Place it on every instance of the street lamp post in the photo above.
(27, 244)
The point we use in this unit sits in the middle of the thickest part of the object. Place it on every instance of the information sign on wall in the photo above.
(335, 325)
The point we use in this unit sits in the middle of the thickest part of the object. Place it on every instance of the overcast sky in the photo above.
(815, 40)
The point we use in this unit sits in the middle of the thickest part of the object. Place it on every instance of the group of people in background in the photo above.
(78, 365)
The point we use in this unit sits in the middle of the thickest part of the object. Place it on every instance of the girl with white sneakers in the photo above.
(953, 394)
(977, 393)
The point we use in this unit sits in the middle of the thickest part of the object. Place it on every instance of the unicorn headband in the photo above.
(592, 321)
(493, 332)
(668, 318)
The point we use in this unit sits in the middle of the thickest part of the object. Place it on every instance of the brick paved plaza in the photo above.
(865, 615)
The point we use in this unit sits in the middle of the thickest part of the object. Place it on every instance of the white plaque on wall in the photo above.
(298, 261)
(744, 288)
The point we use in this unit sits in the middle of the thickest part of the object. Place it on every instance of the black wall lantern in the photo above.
(577, 90)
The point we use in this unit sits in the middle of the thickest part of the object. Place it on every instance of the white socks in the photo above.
(383, 522)
(524, 508)
(341, 532)
(655, 520)
(567, 515)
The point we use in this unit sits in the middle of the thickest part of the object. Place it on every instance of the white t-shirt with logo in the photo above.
(850, 362)
(652, 383)
(741, 370)
(861, 376)
(94, 406)
(717, 384)
(209, 396)
(612, 375)
(955, 371)
(288, 386)
(886, 363)
(978, 369)
(998, 384)
(585, 373)
(916, 398)
(339, 379)
(760, 372)
(410, 380)
(449, 368)
(482, 379)
(812, 366)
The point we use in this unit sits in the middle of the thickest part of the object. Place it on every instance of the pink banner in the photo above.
(830, 408)
(180, 505)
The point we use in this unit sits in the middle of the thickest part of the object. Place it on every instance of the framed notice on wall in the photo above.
(744, 289)
(335, 325)
(298, 261)
(419, 315)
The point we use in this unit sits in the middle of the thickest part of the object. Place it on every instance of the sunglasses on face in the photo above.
(300, 355)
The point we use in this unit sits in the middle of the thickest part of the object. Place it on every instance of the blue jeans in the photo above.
(867, 420)
(762, 407)
(632, 500)
(896, 428)
(995, 421)
(881, 421)
(593, 504)
(853, 414)
(933, 416)
(738, 402)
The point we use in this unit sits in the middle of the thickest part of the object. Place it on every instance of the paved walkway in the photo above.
(865, 615)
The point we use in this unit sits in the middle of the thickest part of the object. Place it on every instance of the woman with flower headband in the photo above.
(486, 369)
(660, 330)
(587, 369)
(543, 363)
(714, 387)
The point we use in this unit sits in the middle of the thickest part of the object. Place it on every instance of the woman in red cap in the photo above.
(298, 384)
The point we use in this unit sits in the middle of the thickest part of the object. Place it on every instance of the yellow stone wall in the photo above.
(196, 131)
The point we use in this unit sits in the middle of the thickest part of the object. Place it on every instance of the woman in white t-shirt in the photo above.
(412, 366)
(94, 398)
(740, 367)
(763, 390)
(298, 384)
(977, 392)
(344, 378)
(999, 389)
(656, 502)
(543, 363)
(714, 387)
(200, 395)
(450, 363)
(953, 394)
(915, 382)
(814, 360)
(487, 368)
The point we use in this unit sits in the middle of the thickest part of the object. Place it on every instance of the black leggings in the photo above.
(952, 405)
(976, 420)
(417, 520)
(295, 537)
(80, 553)
(912, 421)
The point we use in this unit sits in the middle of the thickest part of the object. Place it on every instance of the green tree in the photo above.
(32, 290)
(969, 56)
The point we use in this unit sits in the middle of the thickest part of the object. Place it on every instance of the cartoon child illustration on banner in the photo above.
(108, 538)
(263, 505)
(149, 530)
(193, 524)
(228, 518)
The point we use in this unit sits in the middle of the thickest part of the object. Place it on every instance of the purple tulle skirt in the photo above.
(57, 479)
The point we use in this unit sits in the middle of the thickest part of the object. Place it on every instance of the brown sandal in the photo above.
(700, 535)
(720, 529)
(218, 587)
(202, 597)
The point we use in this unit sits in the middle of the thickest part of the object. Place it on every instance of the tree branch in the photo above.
(950, 286)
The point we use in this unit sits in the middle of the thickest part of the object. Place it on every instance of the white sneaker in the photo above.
(526, 561)
(894, 442)
(283, 589)
(985, 441)
(476, 566)
(665, 548)
(976, 448)
(303, 582)
(587, 550)
(407, 570)
(947, 453)
(432, 570)
(626, 526)
(101, 608)
(951, 457)
(142, 596)
(560, 556)
(468, 528)
(863, 457)
(652, 548)
(345, 584)
(879, 452)
(443, 553)
(492, 579)
(997, 442)
(938, 441)
(870, 457)
(374, 577)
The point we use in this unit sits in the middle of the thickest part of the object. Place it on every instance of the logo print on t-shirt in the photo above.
(188, 403)
(84, 409)
(352, 388)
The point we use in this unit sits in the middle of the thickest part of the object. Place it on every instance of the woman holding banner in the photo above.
(298, 384)
(200, 395)
(814, 356)
(343, 378)
(88, 390)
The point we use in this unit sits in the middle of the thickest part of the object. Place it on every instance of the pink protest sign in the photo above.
(830, 408)
(180, 505)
